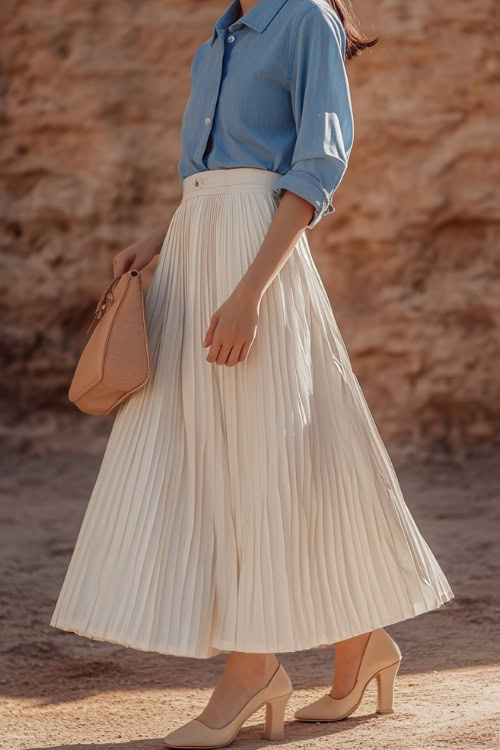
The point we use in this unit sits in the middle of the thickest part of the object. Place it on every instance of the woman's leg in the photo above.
(244, 675)
(348, 655)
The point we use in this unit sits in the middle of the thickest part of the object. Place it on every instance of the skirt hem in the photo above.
(226, 647)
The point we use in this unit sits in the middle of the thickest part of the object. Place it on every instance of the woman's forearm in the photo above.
(291, 218)
(156, 237)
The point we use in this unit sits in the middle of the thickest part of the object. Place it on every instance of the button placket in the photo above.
(208, 120)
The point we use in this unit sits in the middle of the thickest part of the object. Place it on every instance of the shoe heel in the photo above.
(275, 717)
(385, 689)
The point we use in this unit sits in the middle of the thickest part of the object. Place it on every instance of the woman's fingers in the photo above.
(208, 340)
(224, 353)
(229, 353)
(121, 263)
(213, 352)
(244, 351)
(234, 355)
(230, 335)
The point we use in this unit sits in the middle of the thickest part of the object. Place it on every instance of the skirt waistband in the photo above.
(234, 179)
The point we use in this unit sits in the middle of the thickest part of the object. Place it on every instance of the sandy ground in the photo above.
(60, 690)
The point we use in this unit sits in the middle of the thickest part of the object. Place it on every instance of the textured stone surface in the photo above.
(93, 96)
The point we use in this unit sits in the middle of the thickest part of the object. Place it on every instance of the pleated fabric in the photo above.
(248, 508)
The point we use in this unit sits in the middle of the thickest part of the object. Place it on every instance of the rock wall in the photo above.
(92, 99)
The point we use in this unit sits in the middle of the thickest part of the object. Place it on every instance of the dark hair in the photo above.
(356, 41)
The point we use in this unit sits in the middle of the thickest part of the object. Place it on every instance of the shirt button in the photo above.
(208, 120)
(230, 38)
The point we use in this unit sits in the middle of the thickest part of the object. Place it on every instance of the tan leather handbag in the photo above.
(115, 360)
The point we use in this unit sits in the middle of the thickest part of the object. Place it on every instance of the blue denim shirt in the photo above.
(270, 90)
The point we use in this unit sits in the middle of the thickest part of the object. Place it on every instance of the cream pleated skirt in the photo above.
(248, 508)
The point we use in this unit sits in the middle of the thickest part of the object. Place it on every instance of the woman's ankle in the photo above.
(348, 656)
(258, 666)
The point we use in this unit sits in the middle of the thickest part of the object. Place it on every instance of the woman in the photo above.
(246, 503)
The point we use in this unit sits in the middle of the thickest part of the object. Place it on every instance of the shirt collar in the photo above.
(256, 18)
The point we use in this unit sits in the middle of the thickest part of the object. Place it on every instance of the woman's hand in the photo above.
(233, 328)
(140, 254)
(136, 256)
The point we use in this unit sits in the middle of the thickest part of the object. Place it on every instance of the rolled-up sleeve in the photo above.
(322, 111)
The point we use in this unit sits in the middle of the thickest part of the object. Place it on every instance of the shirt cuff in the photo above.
(303, 184)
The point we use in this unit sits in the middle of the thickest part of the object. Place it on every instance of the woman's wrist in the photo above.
(248, 291)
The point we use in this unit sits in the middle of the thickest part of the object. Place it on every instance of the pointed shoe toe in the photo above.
(380, 660)
(192, 734)
(196, 734)
(320, 709)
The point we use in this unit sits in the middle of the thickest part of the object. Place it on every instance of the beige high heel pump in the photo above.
(196, 734)
(381, 659)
